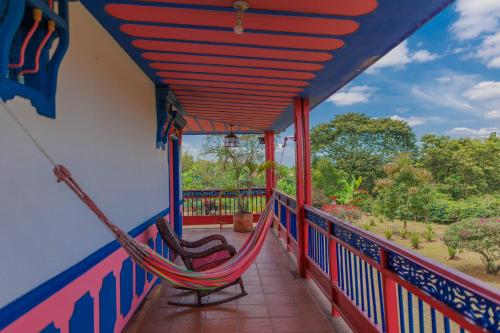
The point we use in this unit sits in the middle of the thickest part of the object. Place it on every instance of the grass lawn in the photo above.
(467, 262)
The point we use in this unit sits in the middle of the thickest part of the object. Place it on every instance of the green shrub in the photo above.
(452, 253)
(429, 232)
(381, 220)
(446, 211)
(363, 200)
(415, 240)
(388, 234)
(481, 236)
(366, 226)
(404, 233)
(372, 222)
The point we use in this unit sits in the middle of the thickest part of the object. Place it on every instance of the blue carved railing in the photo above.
(378, 286)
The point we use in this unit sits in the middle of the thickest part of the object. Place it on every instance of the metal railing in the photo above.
(201, 207)
(377, 286)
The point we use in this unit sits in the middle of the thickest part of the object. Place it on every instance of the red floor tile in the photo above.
(277, 302)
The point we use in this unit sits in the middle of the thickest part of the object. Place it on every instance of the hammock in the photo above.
(151, 261)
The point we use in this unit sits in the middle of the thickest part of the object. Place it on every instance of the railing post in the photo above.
(334, 273)
(390, 297)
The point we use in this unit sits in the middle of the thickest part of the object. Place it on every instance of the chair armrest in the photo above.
(210, 251)
(200, 242)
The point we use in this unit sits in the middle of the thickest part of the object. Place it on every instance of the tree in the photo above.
(327, 181)
(463, 167)
(244, 165)
(406, 191)
(360, 145)
(481, 236)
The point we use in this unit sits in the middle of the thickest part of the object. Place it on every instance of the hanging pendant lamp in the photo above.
(231, 140)
(240, 7)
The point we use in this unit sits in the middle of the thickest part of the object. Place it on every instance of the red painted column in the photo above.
(307, 153)
(270, 173)
(171, 214)
(299, 186)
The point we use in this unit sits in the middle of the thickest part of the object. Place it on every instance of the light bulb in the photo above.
(238, 29)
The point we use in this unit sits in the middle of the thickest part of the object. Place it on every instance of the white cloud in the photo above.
(401, 110)
(476, 17)
(492, 115)
(485, 90)
(416, 121)
(353, 95)
(471, 132)
(480, 19)
(423, 56)
(401, 56)
(412, 121)
(489, 51)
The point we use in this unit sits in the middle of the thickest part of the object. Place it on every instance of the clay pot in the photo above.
(243, 222)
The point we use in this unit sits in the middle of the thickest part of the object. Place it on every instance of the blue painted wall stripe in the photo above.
(28, 301)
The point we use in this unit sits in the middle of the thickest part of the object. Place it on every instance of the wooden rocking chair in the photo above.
(198, 256)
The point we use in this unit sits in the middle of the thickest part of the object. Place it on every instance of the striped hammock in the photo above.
(151, 261)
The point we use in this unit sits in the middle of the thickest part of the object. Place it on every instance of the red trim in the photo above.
(208, 220)
(390, 297)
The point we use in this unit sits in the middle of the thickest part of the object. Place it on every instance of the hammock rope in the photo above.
(151, 261)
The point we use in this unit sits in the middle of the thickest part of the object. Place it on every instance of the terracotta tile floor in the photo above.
(277, 302)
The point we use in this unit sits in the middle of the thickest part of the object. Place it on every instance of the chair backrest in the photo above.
(169, 236)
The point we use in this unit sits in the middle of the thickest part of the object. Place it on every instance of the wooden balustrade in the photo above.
(377, 286)
(203, 207)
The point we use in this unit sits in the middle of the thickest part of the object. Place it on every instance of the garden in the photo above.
(438, 195)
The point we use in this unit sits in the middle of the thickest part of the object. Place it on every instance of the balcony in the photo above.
(277, 300)
(354, 281)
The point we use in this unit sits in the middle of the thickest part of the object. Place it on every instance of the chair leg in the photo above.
(200, 294)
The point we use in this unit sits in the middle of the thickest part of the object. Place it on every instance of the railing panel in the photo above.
(379, 286)
(217, 206)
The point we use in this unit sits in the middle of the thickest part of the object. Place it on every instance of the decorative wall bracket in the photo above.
(28, 65)
(166, 115)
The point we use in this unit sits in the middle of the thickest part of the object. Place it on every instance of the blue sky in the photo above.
(444, 79)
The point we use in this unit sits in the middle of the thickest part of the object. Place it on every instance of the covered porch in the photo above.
(220, 67)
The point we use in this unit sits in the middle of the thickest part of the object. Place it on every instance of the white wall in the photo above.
(105, 134)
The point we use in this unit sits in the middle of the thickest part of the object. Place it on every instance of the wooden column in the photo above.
(303, 183)
(270, 173)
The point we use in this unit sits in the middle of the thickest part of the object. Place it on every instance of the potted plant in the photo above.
(243, 166)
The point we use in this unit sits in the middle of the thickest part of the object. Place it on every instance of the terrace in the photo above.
(216, 71)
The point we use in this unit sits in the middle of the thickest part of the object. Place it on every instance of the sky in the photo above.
(444, 79)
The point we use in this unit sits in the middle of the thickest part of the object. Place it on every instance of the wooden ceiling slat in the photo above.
(270, 73)
(232, 78)
(226, 19)
(231, 91)
(233, 85)
(328, 7)
(230, 50)
(228, 61)
(229, 37)
(232, 97)
(224, 100)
